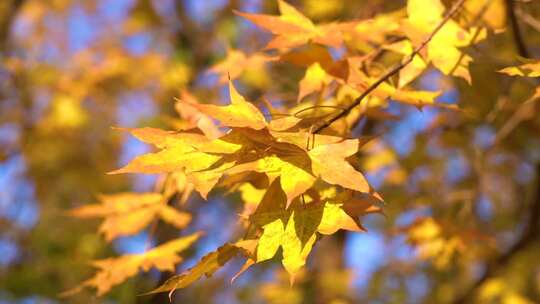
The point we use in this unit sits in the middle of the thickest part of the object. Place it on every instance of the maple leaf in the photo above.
(236, 63)
(113, 271)
(128, 213)
(531, 69)
(193, 118)
(239, 113)
(293, 29)
(292, 166)
(314, 80)
(283, 228)
(361, 82)
(302, 138)
(284, 123)
(329, 162)
(412, 70)
(207, 266)
(375, 30)
(308, 55)
(246, 147)
(342, 211)
(294, 229)
(297, 168)
(183, 152)
(179, 152)
(251, 197)
(443, 49)
(202, 160)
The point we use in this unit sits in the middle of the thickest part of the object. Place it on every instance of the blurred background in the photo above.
(72, 69)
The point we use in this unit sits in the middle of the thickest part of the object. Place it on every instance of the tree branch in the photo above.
(528, 19)
(6, 19)
(455, 8)
(516, 32)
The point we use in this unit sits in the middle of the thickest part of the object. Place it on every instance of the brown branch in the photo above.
(455, 8)
(525, 111)
(6, 20)
(516, 32)
(528, 19)
(196, 37)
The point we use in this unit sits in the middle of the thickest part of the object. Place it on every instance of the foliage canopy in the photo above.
(276, 137)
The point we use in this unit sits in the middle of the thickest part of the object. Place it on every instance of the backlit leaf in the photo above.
(207, 266)
(329, 163)
(293, 29)
(113, 271)
(531, 69)
(128, 213)
(239, 113)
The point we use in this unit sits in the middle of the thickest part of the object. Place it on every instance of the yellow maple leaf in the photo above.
(531, 69)
(206, 266)
(239, 114)
(292, 168)
(443, 49)
(128, 213)
(113, 271)
(314, 80)
(329, 162)
(193, 118)
(293, 29)
(360, 81)
(294, 229)
(411, 71)
(291, 230)
(238, 62)
(180, 151)
(194, 154)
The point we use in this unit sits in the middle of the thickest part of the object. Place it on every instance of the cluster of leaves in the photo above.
(295, 149)
(299, 165)
(309, 186)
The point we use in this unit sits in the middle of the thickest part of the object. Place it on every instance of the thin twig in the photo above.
(524, 111)
(455, 8)
(316, 107)
(528, 19)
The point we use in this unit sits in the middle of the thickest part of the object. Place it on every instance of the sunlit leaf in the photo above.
(207, 266)
(128, 213)
(113, 271)
(239, 113)
(531, 69)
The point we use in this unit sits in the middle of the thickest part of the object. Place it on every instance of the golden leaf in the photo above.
(207, 266)
(113, 271)
(128, 213)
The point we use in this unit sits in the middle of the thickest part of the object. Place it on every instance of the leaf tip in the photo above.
(117, 171)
